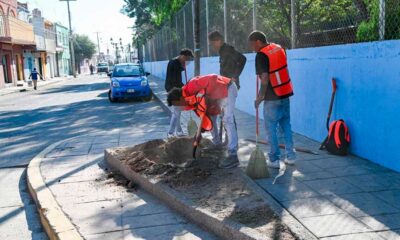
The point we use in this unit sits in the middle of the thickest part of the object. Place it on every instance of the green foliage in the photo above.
(148, 15)
(83, 48)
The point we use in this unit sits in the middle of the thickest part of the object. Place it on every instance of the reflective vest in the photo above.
(278, 71)
(202, 104)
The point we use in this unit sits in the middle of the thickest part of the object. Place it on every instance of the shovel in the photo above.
(191, 125)
(197, 138)
(257, 167)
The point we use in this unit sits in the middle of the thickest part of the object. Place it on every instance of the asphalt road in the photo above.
(30, 121)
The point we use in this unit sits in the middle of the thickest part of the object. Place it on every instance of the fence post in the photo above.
(207, 25)
(382, 19)
(293, 22)
(225, 23)
(196, 30)
(254, 15)
(184, 27)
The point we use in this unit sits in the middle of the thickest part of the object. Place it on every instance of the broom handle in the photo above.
(257, 112)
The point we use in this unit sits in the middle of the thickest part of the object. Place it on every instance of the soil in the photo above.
(221, 192)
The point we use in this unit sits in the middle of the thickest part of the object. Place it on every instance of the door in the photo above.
(5, 63)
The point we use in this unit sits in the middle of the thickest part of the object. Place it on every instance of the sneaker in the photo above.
(170, 135)
(290, 162)
(180, 134)
(274, 164)
(230, 162)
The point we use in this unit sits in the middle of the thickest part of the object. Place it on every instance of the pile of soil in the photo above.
(224, 193)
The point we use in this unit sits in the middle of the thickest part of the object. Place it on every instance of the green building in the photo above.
(63, 57)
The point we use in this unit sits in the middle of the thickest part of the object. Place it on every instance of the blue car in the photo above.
(129, 81)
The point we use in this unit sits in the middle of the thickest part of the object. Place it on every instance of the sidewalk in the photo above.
(334, 197)
(99, 203)
(41, 83)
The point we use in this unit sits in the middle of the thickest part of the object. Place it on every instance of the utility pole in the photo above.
(71, 39)
(196, 37)
(98, 43)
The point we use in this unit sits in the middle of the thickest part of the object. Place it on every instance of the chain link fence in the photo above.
(290, 23)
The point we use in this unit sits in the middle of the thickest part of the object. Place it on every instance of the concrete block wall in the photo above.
(368, 96)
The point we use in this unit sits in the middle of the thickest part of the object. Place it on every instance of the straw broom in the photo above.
(191, 125)
(257, 167)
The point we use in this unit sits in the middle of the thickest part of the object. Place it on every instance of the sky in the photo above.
(89, 17)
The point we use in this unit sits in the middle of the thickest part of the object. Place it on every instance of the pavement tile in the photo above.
(307, 167)
(382, 222)
(151, 220)
(311, 207)
(391, 196)
(118, 235)
(372, 182)
(287, 191)
(313, 176)
(390, 235)
(357, 236)
(350, 170)
(332, 186)
(333, 225)
(362, 204)
(335, 162)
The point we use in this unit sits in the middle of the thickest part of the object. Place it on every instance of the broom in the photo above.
(257, 167)
(191, 125)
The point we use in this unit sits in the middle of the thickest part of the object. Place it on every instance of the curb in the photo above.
(54, 221)
(24, 89)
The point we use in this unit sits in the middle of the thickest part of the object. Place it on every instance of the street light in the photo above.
(71, 42)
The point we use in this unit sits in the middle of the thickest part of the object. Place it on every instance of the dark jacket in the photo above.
(231, 62)
(174, 75)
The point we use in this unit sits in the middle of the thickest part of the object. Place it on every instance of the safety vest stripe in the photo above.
(278, 78)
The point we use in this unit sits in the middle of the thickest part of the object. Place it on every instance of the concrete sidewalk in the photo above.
(25, 87)
(334, 197)
(98, 203)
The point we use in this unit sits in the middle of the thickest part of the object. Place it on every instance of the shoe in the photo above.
(180, 134)
(170, 135)
(230, 162)
(290, 162)
(274, 164)
(35, 88)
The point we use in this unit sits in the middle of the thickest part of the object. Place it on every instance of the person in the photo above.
(91, 68)
(232, 63)
(276, 89)
(209, 95)
(34, 75)
(174, 80)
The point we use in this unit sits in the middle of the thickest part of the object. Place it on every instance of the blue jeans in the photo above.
(277, 113)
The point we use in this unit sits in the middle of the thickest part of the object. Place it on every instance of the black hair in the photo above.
(257, 36)
(215, 36)
(186, 52)
(174, 94)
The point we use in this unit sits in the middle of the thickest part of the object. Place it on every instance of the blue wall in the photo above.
(368, 96)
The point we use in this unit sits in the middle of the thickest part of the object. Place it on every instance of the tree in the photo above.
(149, 15)
(83, 48)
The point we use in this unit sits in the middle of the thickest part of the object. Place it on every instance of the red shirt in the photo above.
(213, 86)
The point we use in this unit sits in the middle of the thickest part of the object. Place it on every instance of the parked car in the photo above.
(103, 68)
(129, 80)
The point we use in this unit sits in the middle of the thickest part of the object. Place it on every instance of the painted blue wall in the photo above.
(368, 96)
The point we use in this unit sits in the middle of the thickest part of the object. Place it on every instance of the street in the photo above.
(32, 120)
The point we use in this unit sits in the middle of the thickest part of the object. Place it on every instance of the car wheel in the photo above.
(112, 99)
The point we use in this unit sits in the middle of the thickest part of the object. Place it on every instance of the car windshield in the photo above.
(102, 64)
(127, 71)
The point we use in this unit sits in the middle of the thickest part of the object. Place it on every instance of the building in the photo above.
(50, 41)
(39, 29)
(16, 36)
(62, 50)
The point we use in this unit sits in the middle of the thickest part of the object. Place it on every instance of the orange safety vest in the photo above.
(198, 104)
(278, 71)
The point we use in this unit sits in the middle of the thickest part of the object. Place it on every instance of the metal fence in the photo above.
(290, 23)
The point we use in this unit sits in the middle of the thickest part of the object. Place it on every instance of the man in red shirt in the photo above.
(207, 96)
